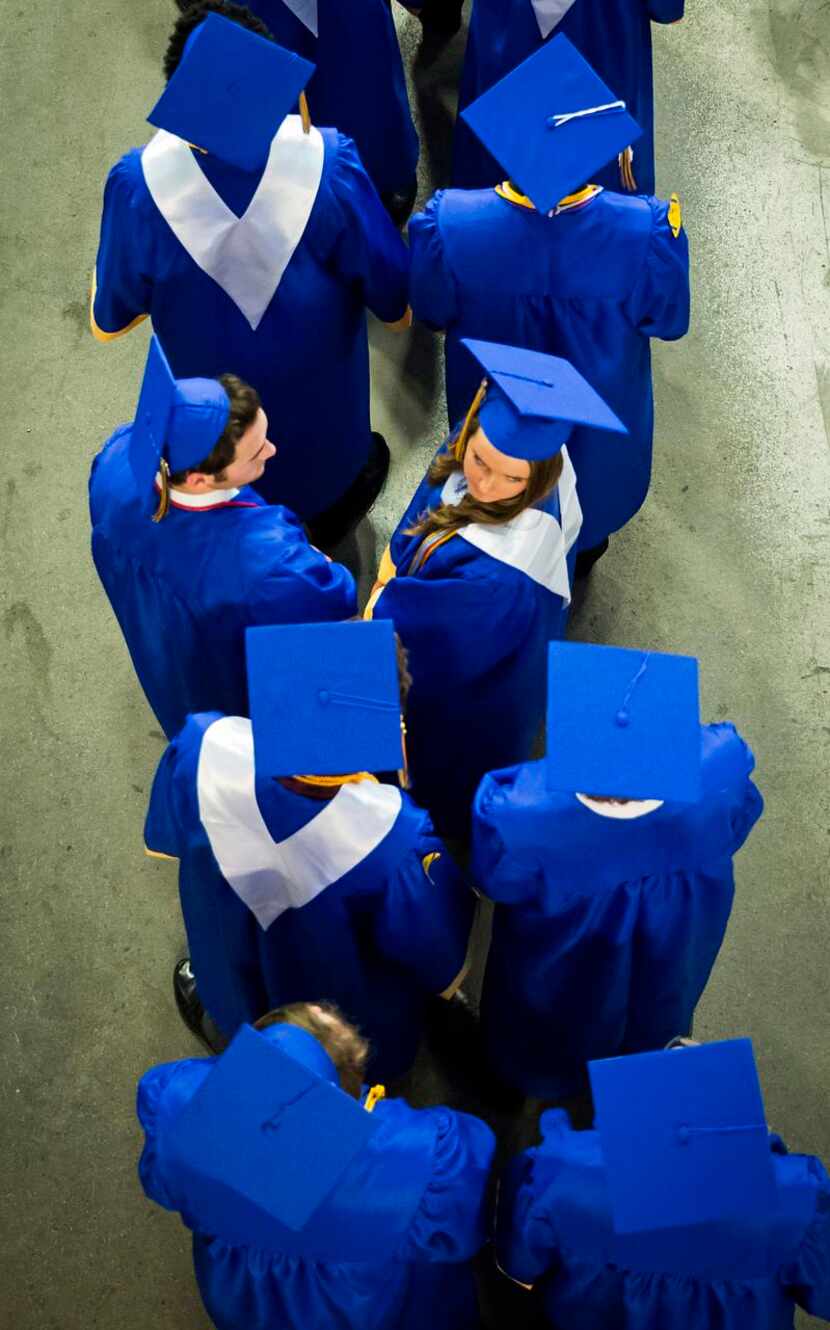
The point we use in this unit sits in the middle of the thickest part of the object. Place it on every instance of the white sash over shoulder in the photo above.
(274, 876)
(246, 255)
(550, 12)
(535, 542)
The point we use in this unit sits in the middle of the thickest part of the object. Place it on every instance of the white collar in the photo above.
(534, 542)
(623, 812)
(184, 498)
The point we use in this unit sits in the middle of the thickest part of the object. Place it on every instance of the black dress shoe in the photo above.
(586, 559)
(332, 527)
(190, 1005)
(440, 19)
(400, 202)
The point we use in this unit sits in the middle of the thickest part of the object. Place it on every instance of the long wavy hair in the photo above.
(447, 518)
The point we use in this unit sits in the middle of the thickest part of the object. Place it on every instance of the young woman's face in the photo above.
(492, 476)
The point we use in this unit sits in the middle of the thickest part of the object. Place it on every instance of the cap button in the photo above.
(622, 719)
(324, 696)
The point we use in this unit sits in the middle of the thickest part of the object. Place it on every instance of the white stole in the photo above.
(305, 11)
(274, 876)
(549, 13)
(534, 542)
(246, 255)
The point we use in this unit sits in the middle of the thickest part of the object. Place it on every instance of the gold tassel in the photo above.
(374, 1096)
(461, 441)
(626, 160)
(164, 497)
(305, 115)
(403, 774)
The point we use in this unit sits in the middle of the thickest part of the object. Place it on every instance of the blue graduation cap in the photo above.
(178, 420)
(623, 722)
(534, 400)
(551, 122)
(686, 1147)
(264, 1139)
(324, 698)
(231, 91)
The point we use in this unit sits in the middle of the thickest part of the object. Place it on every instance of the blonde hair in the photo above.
(343, 1042)
(447, 518)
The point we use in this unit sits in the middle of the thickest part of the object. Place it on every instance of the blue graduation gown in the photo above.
(354, 900)
(308, 358)
(613, 35)
(592, 284)
(476, 628)
(605, 930)
(388, 1250)
(358, 84)
(185, 589)
(554, 1227)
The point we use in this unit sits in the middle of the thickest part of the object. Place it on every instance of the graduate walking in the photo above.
(678, 1210)
(610, 863)
(358, 84)
(309, 886)
(552, 261)
(614, 35)
(258, 253)
(188, 553)
(477, 575)
(314, 1201)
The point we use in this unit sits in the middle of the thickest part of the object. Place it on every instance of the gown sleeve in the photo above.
(426, 915)
(295, 583)
(500, 873)
(665, 11)
(369, 251)
(808, 1276)
(122, 288)
(164, 825)
(161, 1091)
(433, 292)
(660, 304)
(451, 1223)
(525, 1240)
(464, 625)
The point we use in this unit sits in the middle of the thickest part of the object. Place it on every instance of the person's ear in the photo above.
(197, 482)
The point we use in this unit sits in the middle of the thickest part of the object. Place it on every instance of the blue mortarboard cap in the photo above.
(622, 722)
(324, 698)
(686, 1146)
(231, 91)
(176, 419)
(551, 122)
(533, 400)
(264, 1138)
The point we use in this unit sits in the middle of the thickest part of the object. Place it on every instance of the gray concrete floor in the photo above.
(729, 561)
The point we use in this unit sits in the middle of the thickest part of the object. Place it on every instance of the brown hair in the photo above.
(245, 404)
(343, 1042)
(446, 518)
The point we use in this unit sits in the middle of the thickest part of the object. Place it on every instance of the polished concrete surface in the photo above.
(729, 560)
